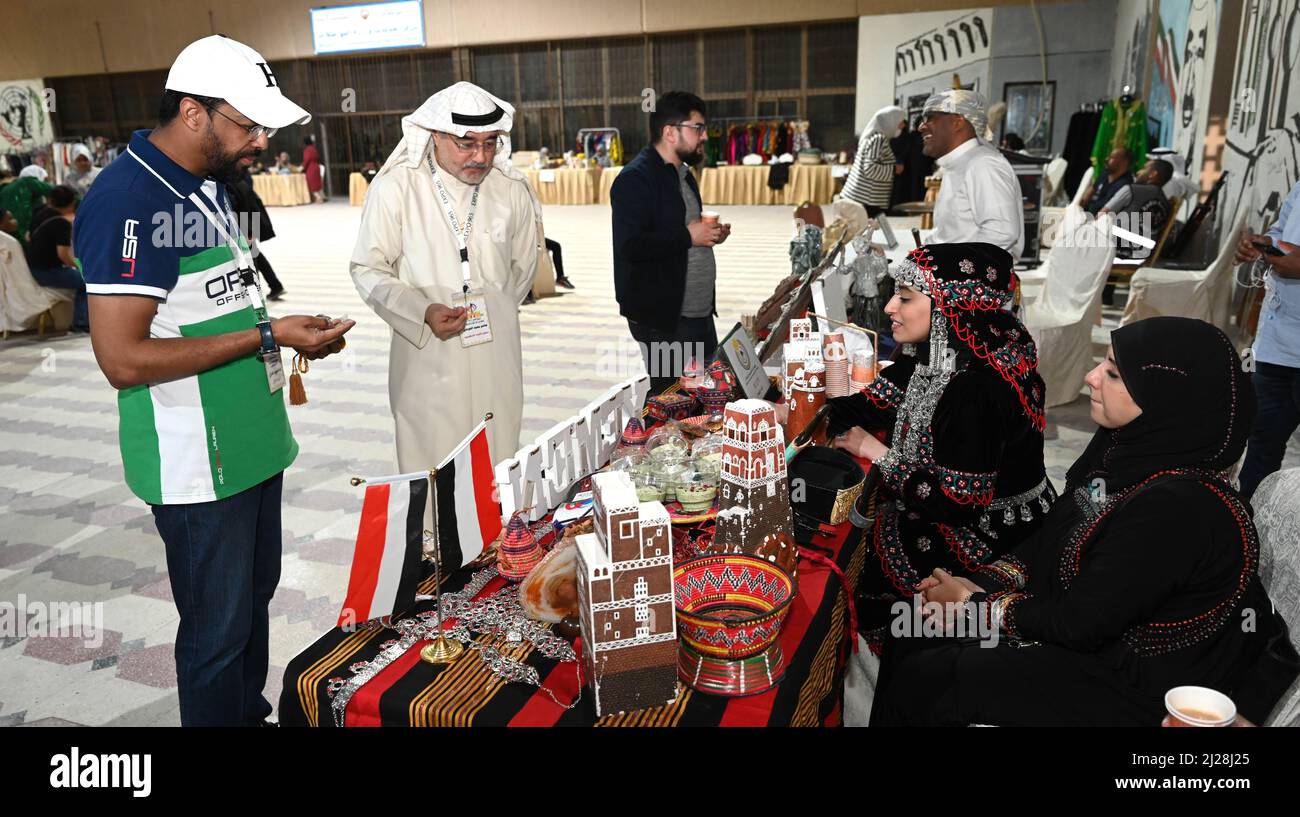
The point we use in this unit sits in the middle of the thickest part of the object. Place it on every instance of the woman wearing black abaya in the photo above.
(1143, 576)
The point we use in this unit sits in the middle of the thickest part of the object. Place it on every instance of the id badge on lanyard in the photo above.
(269, 353)
(478, 325)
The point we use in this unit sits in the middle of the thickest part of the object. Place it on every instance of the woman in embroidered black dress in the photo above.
(962, 478)
(1143, 577)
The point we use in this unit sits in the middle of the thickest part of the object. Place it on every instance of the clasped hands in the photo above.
(947, 590)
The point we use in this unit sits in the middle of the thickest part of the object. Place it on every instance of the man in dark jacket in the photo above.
(664, 271)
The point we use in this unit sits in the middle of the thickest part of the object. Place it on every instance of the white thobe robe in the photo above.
(979, 199)
(407, 258)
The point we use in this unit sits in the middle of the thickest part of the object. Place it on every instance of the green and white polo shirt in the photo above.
(210, 435)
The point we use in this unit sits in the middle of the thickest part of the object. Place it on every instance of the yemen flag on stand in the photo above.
(386, 564)
(469, 515)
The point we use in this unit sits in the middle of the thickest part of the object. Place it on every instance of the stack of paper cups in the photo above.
(836, 359)
(862, 373)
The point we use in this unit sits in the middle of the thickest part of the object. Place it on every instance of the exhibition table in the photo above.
(815, 640)
(607, 177)
(564, 186)
(357, 187)
(747, 184)
(282, 189)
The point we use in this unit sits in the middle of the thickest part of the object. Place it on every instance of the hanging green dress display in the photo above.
(1122, 126)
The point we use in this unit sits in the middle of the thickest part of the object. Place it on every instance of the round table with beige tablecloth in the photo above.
(564, 186)
(747, 184)
(282, 189)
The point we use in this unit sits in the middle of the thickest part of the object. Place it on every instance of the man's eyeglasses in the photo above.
(470, 146)
(698, 127)
(254, 131)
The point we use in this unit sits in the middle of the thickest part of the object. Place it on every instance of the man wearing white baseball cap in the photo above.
(180, 329)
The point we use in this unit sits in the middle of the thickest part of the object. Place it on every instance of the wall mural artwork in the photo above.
(1130, 58)
(1180, 77)
(925, 63)
(1263, 139)
(24, 123)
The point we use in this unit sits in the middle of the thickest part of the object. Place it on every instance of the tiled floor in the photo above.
(71, 531)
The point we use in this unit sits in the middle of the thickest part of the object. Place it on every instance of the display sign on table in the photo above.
(368, 26)
(739, 352)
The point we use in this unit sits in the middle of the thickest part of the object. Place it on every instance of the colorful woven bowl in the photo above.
(728, 677)
(731, 606)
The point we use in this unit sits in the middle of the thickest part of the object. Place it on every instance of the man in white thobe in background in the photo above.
(408, 265)
(979, 199)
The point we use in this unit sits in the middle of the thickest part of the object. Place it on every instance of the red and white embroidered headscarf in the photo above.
(970, 287)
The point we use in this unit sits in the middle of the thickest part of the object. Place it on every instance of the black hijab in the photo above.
(1197, 404)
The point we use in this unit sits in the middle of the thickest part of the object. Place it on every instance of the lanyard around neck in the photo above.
(247, 279)
(460, 232)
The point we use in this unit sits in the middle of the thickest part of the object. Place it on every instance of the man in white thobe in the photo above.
(979, 199)
(450, 174)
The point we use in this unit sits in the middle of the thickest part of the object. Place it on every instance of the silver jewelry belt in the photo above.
(1018, 499)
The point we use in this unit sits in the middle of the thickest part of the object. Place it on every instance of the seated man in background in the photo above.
(8, 224)
(1142, 208)
(49, 253)
(1145, 197)
(1117, 175)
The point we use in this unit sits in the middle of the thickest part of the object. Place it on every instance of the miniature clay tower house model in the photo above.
(801, 329)
(754, 503)
(625, 599)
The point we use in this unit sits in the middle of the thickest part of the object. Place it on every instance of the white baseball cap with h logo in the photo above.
(220, 67)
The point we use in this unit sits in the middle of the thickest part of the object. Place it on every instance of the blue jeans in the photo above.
(1277, 415)
(223, 559)
(67, 278)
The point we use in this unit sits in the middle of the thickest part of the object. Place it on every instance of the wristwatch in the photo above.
(269, 346)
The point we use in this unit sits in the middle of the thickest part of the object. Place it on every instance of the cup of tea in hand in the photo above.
(1199, 706)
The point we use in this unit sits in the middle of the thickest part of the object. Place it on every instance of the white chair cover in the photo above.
(22, 300)
(1053, 175)
(1084, 184)
(1204, 294)
(1061, 318)
(1277, 518)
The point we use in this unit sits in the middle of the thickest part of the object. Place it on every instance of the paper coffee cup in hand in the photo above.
(1199, 706)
